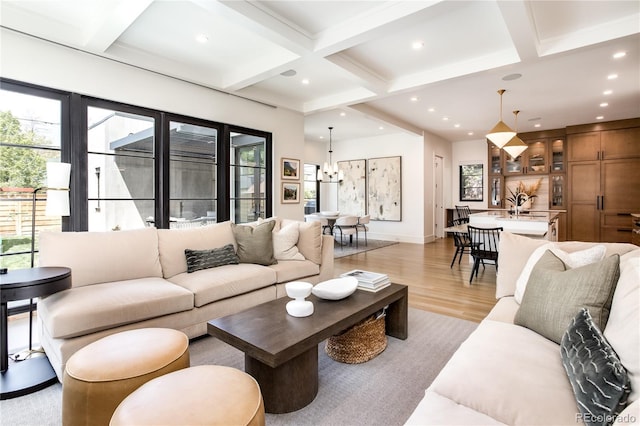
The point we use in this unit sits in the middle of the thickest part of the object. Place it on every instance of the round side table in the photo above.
(36, 373)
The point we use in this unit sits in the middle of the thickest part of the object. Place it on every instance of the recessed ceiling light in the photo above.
(612, 76)
(607, 92)
(456, 125)
(445, 118)
(431, 109)
(321, 137)
(417, 45)
(619, 55)
(380, 128)
(604, 104)
(202, 38)
(537, 125)
(513, 76)
(470, 133)
(288, 73)
(342, 114)
(600, 117)
(305, 81)
(414, 99)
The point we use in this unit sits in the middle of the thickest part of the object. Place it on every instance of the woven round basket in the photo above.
(359, 343)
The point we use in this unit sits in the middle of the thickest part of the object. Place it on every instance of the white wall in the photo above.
(410, 148)
(39, 62)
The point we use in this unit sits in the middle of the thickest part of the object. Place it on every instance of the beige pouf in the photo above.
(100, 375)
(202, 395)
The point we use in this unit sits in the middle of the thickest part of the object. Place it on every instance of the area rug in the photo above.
(348, 250)
(383, 391)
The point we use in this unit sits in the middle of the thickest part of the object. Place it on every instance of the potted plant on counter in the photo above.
(522, 196)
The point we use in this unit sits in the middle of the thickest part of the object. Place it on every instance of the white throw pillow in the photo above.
(580, 258)
(523, 279)
(284, 243)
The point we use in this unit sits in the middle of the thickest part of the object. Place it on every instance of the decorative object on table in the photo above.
(384, 188)
(360, 343)
(290, 169)
(369, 281)
(335, 289)
(352, 190)
(500, 134)
(299, 307)
(330, 213)
(290, 193)
(522, 196)
(330, 169)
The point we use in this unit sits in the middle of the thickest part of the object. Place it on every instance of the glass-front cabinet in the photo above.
(496, 196)
(496, 180)
(532, 161)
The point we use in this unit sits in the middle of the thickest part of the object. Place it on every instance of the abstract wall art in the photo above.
(384, 184)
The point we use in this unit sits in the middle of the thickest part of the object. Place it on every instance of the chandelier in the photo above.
(330, 169)
(501, 133)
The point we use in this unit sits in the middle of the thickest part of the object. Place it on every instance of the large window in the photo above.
(311, 193)
(131, 167)
(31, 129)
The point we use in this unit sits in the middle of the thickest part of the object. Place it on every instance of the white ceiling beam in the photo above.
(355, 95)
(101, 35)
(361, 74)
(518, 19)
(376, 114)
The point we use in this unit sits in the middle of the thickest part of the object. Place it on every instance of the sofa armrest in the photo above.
(326, 266)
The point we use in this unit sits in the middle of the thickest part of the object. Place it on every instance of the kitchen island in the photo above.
(534, 224)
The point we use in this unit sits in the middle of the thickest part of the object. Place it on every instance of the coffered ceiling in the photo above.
(352, 64)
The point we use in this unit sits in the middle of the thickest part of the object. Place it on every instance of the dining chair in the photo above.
(363, 221)
(463, 213)
(484, 247)
(346, 225)
(323, 222)
(461, 241)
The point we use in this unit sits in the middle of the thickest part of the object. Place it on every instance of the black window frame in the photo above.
(463, 187)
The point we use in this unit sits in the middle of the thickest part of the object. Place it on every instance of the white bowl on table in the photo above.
(330, 213)
(335, 289)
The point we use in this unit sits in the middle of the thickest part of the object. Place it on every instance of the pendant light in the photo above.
(331, 169)
(515, 146)
(501, 133)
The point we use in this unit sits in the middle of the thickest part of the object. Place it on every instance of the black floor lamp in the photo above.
(57, 190)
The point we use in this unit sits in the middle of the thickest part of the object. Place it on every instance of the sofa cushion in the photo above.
(554, 295)
(622, 330)
(205, 259)
(173, 242)
(292, 270)
(285, 242)
(488, 372)
(210, 285)
(309, 240)
(572, 260)
(88, 309)
(99, 257)
(514, 252)
(255, 243)
(598, 378)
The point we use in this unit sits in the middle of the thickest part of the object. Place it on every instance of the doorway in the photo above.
(438, 194)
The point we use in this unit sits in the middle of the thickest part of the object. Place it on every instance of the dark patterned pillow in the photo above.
(205, 259)
(599, 380)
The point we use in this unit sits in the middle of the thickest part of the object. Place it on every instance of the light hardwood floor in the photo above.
(433, 286)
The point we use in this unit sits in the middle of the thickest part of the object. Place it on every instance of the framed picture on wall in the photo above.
(290, 169)
(290, 192)
(384, 188)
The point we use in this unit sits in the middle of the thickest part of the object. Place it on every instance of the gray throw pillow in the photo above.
(555, 294)
(205, 259)
(599, 380)
(255, 244)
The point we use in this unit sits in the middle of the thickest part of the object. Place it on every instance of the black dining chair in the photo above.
(463, 213)
(461, 241)
(484, 247)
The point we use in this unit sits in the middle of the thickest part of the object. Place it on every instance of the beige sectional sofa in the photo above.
(138, 278)
(508, 374)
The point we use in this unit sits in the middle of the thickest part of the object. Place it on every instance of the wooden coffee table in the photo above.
(281, 351)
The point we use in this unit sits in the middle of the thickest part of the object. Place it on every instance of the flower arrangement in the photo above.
(529, 190)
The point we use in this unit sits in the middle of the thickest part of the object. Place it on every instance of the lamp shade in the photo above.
(515, 147)
(500, 134)
(58, 175)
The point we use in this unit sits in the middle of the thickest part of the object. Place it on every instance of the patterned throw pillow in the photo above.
(599, 380)
(205, 259)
